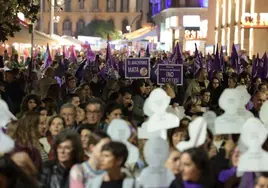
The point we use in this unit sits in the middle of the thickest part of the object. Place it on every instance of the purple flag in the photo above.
(90, 55)
(217, 62)
(147, 52)
(234, 58)
(209, 67)
(222, 60)
(197, 65)
(255, 65)
(47, 58)
(177, 59)
(65, 53)
(265, 66)
(72, 57)
(174, 52)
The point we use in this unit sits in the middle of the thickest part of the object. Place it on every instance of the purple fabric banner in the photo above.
(170, 73)
(137, 68)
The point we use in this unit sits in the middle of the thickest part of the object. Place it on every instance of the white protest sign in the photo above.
(253, 135)
(6, 143)
(244, 97)
(156, 151)
(197, 132)
(230, 122)
(119, 130)
(210, 118)
(144, 134)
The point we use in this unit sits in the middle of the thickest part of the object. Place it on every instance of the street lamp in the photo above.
(128, 28)
(56, 19)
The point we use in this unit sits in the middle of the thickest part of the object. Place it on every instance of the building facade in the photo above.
(183, 21)
(243, 23)
(72, 15)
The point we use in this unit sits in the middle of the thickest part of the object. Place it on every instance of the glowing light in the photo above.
(224, 12)
(216, 37)
(228, 39)
(236, 39)
(223, 37)
(237, 10)
(242, 38)
(217, 13)
(251, 41)
(229, 11)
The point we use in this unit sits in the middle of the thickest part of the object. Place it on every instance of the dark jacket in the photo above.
(53, 175)
(137, 112)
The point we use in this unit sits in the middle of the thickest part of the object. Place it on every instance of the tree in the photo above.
(9, 22)
(101, 28)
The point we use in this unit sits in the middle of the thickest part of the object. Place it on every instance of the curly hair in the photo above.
(24, 105)
(27, 132)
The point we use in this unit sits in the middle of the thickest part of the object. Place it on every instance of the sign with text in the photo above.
(137, 68)
(170, 73)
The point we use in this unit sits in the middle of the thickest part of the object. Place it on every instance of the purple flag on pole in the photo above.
(222, 60)
(90, 55)
(47, 58)
(255, 66)
(72, 57)
(265, 66)
(147, 52)
(177, 59)
(234, 58)
(209, 67)
(217, 62)
(197, 65)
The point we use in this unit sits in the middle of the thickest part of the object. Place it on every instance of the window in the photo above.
(111, 5)
(95, 4)
(81, 4)
(139, 5)
(124, 5)
(138, 24)
(67, 27)
(80, 25)
(124, 25)
(67, 4)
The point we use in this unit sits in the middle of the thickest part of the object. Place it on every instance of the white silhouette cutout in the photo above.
(253, 135)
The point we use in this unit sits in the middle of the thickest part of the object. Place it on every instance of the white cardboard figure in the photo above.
(210, 118)
(230, 122)
(156, 151)
(119, 130)
(147, 111)
(244, 97)
(6, 143)
(158, 103)
(144, 134)
(264, 114)
(253, 135)
(197, 132)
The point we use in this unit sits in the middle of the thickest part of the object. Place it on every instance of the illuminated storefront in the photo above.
(184, 25)
(244, 23)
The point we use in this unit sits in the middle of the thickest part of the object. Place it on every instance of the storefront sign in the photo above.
(137, 68)
(193, 35)
(170, 73)
(255, 20)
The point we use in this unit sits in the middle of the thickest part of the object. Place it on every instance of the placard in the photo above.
(137, 68)
(170, 73)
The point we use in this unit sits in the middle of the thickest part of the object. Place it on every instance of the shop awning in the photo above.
(23, 36)
(73, 40)
(141, 34)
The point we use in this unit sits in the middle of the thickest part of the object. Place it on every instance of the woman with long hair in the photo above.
(30, 103)
(68, 151)
(26, 137)
(195, 170)
(51, 106)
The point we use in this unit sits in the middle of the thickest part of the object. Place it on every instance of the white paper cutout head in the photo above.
(156, 151)
(143, 132)
(147, 111)
(210, 118)
(158, 101)
(6, 143)
(253, 133)
(119, 130)
(229, 101)
(243, 94)
(197, 132)
(264, 113)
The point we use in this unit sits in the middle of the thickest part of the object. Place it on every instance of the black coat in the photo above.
(53, 176)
